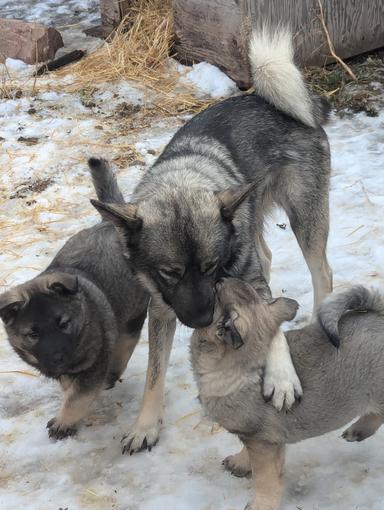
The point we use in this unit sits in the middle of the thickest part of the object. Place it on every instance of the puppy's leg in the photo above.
(309, 219)
(238, 464)
(73, 410)
(281, 384)
(267, 461)
(124, 348)
(145, 431)
(265, 256)
(364, 427)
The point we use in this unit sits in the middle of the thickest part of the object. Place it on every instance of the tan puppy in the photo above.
(228, 358)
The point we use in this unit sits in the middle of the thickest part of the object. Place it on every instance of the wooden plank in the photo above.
(355, 26)
(211, 31)
(216, 30)
(113, 11)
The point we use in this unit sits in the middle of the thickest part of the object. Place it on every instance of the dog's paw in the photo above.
(352, 436)
(111, 380)
(237, 465)
(58, 431)
(281, 386)
(142, 437)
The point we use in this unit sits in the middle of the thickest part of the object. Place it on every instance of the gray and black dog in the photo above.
(228, 359)
(198, 213)
(80, 319)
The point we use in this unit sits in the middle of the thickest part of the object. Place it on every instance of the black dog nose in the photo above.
(58, 357)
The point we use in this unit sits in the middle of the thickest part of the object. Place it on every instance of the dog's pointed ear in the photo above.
(231, 198)
(228, 331)
(284, 309)
(123, 216)
(63, 283)
(10, 305)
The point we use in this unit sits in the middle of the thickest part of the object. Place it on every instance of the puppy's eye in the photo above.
(33, 335)
(63, 323)
(210, 268)
(169, 274)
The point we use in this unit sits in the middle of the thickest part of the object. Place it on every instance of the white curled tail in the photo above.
(277, 79)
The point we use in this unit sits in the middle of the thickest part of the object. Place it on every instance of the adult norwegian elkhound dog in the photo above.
(228, 358)
(80, 319)
(198, 213)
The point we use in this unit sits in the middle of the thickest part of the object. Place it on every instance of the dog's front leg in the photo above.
(281, 384)
(145, 432)
(77, 400)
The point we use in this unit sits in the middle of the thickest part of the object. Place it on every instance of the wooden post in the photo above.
(216, 30)
(112, 12)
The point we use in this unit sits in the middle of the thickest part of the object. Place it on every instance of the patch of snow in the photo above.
(16, 65)
(208, 79)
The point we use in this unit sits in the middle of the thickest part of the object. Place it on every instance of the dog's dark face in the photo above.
(179, 244)
(44, 320)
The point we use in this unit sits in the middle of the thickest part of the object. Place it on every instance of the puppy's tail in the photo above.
(104, 181)
(357, 298)
(277, 79)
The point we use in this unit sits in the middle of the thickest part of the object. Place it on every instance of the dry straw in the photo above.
(138, 51)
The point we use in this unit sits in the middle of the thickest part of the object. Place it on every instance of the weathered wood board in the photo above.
(217, 30)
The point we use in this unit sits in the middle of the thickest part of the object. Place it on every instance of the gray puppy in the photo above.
(80, 319)
(198, 214)
(228, 359)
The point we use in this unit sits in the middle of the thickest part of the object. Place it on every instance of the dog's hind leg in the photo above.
(145, 432)
(238, 464)
(309, 219)
(265, 256)
(267, 462)
(364, 427)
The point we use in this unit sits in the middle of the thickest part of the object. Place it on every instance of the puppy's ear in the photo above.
(63, 283)
(231, 198)
(123, 216)
(10, 306)
(228, 331)
(283, 309)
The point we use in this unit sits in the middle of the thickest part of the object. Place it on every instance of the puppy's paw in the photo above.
(355, 434)
(59, 431)
(111, 380)
(142, 437)
(237, 465)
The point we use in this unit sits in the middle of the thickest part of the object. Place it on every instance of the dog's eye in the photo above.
(63, 323)
(210, 268)
(33, 334)
(169, 274)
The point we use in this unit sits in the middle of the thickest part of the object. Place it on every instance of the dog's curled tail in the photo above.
(277, 79)
(104, 181)
(357, 298)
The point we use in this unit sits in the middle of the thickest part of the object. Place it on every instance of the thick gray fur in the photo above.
(336, 305)
(338, 385)
(89, 282)
(204, 201)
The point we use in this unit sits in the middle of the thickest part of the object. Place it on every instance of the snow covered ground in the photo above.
(44, 192)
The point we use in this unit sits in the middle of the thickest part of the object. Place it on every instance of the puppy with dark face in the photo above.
(79, 321)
